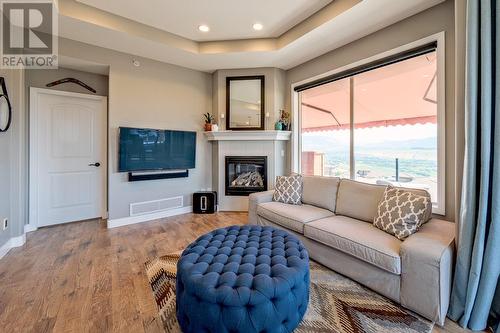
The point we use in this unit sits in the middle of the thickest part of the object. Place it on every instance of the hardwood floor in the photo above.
(82, 277)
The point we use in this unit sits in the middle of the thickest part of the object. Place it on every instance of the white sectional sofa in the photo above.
(335, 223)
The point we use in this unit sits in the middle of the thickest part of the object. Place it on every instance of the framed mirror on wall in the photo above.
(245, 102)
(5, 107)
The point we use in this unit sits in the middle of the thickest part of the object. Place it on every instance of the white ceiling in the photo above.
(350, 21)
(227, 19)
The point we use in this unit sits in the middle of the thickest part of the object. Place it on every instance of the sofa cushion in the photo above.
(359, 239)
(358, 200)
(291, 216)
(320, 191)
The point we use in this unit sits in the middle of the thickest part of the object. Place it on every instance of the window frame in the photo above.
(439, 206)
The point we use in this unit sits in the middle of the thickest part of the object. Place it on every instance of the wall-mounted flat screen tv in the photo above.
(144, 149)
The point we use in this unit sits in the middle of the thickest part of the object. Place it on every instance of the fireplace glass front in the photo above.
(245, 175)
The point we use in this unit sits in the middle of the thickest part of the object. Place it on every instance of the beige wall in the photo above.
(12, 158)
(274, 92)
(434, 20)
(154, 95)
(40, 77)
(5, 169)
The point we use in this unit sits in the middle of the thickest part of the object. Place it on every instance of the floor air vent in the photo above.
(155, 206)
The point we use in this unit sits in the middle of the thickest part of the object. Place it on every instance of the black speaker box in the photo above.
(205, 202)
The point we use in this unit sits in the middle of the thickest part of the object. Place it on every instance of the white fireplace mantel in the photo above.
(248, 135)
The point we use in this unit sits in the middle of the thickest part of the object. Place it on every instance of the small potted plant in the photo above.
(209, 119)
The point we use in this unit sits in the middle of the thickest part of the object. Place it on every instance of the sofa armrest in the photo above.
(427, 269)
(254, 200)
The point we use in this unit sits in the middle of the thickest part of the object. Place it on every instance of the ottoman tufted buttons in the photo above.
(232, 279)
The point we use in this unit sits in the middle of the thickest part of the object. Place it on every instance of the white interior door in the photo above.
(67, 156)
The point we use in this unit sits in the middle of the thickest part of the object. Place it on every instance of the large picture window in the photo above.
(378, 125)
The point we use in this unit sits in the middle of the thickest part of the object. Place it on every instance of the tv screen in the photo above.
(151, 149)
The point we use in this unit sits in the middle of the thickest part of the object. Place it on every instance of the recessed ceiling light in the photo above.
(257, 26)
(204, 28)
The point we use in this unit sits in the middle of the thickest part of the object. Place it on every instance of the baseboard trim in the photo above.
(114, 223)
(11, 243)
(29, 228)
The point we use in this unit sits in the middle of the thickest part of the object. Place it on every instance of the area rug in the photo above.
(336, 304)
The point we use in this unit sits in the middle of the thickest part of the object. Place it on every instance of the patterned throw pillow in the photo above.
(288, 189)
(401, 213)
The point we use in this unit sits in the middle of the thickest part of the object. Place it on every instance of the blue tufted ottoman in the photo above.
(243, 279)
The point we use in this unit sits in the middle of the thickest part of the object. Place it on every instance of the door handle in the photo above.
(96, 164)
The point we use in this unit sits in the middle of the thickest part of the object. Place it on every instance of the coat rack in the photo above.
(71, 80)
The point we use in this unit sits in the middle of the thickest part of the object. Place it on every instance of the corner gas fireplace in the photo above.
(245, 175)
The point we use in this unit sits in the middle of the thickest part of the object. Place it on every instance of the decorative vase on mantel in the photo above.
(278, 126)
(208, 127)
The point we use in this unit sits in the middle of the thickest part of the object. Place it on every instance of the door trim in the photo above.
(33, 150)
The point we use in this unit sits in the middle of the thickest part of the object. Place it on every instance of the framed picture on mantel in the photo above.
(245, 102)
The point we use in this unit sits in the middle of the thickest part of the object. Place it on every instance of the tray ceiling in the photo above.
(227, 19)
(166, 30)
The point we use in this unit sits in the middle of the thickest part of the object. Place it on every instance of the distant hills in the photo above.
(329, 144)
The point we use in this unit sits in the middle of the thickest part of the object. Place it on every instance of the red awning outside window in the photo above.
(400, 94)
